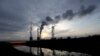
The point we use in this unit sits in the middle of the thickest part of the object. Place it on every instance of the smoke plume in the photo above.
(84, 11)
(42, 26)
(68, 14)
(57, 18)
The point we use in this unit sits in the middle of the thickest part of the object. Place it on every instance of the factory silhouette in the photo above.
(89, 45)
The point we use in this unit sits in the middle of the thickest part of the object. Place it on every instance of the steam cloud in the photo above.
(42, 26)
(68, 14)
(47, 21)
(83, 11)
(57, 18)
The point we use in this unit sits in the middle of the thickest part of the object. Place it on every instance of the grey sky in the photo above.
(15, 17)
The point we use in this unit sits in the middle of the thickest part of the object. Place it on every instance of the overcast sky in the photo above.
(70, 17)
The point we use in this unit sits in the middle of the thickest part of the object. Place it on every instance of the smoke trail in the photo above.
(68, 14)
(49, 19)
(84, 11)
(57, 18)
(42, 26)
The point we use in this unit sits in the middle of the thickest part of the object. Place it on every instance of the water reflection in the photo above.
(48, 52)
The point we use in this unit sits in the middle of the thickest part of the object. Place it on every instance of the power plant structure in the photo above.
(39, 32)
(52, 31)
(31, 37)
(39, 50)
(52, 35)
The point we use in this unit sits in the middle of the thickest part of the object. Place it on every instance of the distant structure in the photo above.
(52, 31)
(52, 34)
(38, 34)
(39, 50)
(31, 38)
(38, 38)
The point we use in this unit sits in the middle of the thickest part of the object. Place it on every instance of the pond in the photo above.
(49, 52)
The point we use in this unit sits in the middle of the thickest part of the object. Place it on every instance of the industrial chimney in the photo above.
(38, 34)
(52, 35)
(31, 38)
(52, 31)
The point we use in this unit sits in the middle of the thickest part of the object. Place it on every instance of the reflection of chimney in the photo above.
(52, 31)
(53, 53)
(39, 50)
(41, 53)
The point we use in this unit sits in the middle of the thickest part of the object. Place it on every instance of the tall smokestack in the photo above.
(31, 38)
(38, 34)
(42, 27)
(39, 50)
(38, 38)
(52, 34)
(52, 31)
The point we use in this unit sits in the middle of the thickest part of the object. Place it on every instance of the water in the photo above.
(49, 52)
